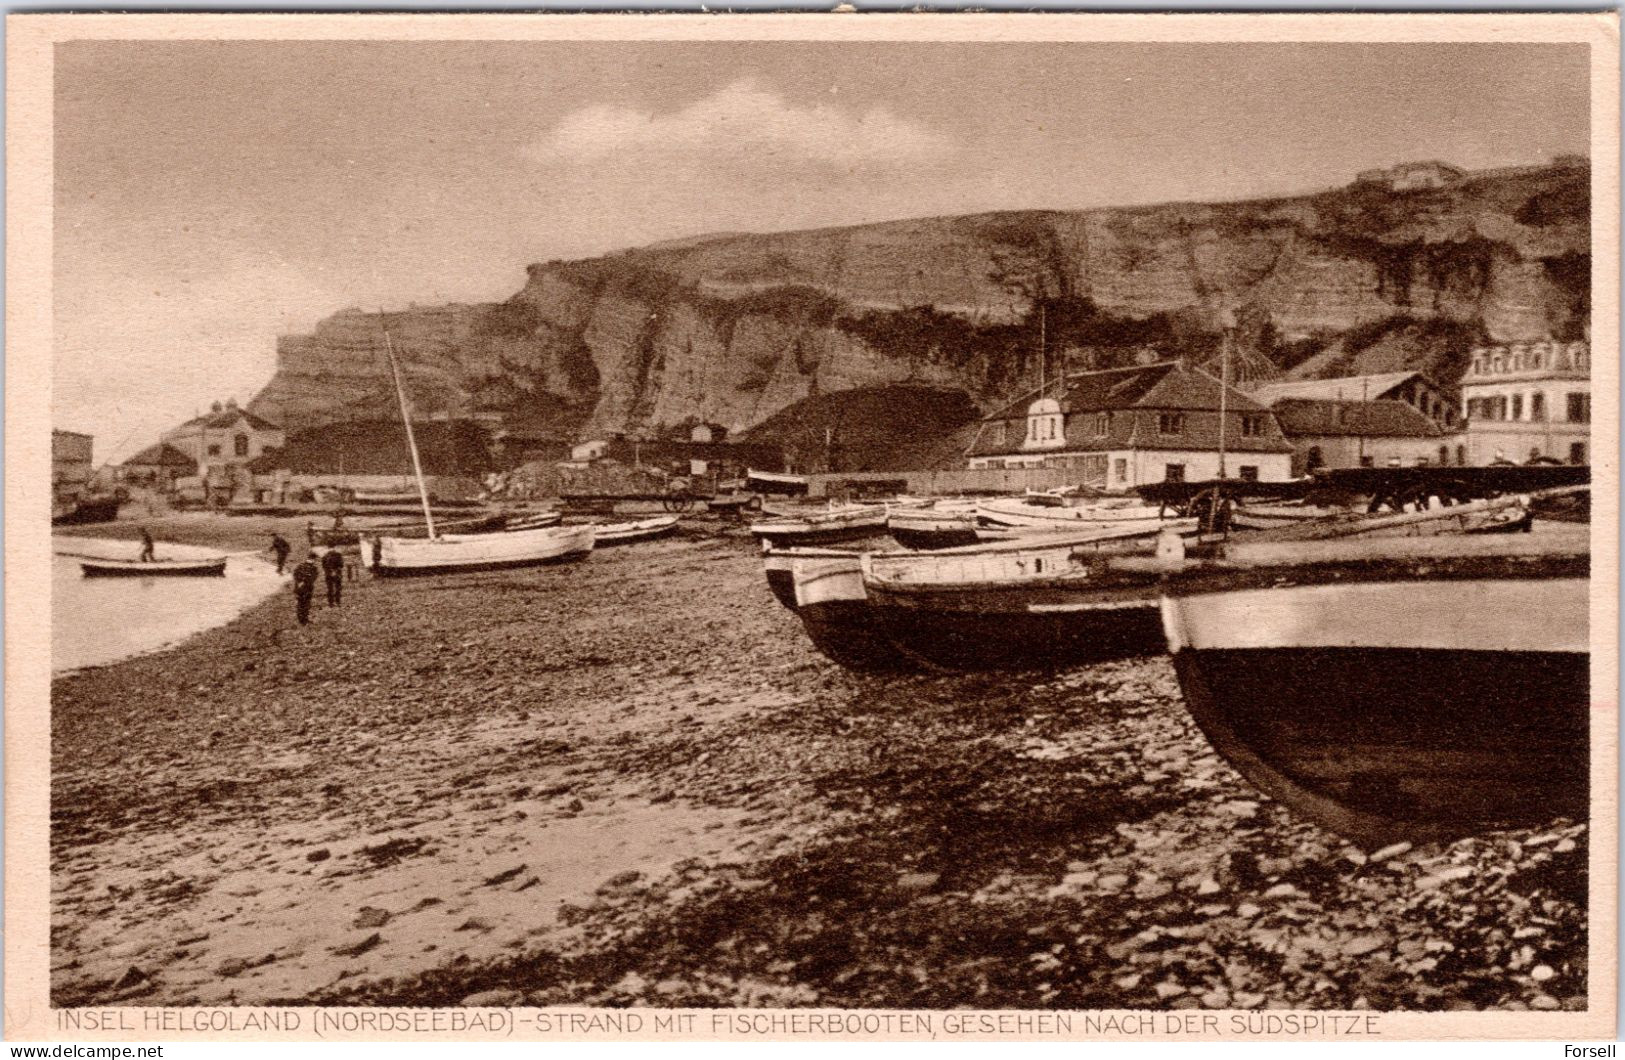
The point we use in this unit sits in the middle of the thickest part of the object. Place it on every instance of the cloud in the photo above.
(743, 122)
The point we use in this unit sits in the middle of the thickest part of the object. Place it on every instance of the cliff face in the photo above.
(734, 328)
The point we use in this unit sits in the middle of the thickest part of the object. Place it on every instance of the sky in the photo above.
(211, 195)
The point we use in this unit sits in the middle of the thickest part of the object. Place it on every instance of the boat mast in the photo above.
(406, 418)
(1227, 321)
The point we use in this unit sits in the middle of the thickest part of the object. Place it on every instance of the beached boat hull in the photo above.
(1429, 702)
(154, 568)
(628, 533)
(1027, 628)
(835, 611)
(930, 530)
(776, 483)
(1023, 606)
(459, 553)
(1024, 514)
(821, 529)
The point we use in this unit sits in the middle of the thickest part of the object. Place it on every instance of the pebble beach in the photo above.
(632, 781)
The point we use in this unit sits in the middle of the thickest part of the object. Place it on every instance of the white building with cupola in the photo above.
(1125, 427)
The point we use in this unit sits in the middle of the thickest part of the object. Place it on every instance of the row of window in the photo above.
(240, 444)
(1511, 408)
(1172, 424)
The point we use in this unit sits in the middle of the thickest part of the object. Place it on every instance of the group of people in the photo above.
(330, 565)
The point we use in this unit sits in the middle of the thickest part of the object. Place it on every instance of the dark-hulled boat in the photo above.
(848, 523)
(776, 483)
(1036, 604)
(209, 567)
(933, 527)
(1395, 688)
(835, 611)
(608, 534)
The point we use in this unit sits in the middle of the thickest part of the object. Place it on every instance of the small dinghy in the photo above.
(213, 567)
(641, 530)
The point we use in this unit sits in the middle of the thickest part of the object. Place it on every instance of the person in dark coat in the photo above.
(147, 554)
(280, 546)
(304, 587)
(333, 573)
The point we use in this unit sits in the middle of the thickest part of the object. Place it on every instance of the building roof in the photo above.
(1343, 388)
(1165, 387)
(1353, 419)
(161, 455)
(228, 417)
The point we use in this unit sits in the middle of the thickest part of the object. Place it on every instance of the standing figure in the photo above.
(333, 573)
(147, 554)
(280, 546)
(304, 587)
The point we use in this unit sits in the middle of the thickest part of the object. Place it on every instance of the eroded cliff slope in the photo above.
(733, 329)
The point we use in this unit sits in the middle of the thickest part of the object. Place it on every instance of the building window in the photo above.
(1103, 424)
(214, 450)
(1171, 423)
(1579, 408)
(1001, 434)
(1314, 458)
(1444, 455)
(1120, 467)
(1577, 453)
(1368, 461)
(1517, 406)
(1173, 473)
(1461, 455)
(1252, 426)
(242, 445)
(1249, 472)
(1537, 407)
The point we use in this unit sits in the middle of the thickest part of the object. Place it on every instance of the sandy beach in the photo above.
(633, 781)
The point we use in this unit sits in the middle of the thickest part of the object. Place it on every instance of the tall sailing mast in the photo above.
(406, 418)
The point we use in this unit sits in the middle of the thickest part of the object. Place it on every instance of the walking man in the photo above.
(304, 587)
(147, 554)
(280, 546)
(333, 572)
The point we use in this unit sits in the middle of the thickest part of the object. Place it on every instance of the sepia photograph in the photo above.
(675, 529)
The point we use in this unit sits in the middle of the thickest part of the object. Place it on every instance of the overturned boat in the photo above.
(1409, 688)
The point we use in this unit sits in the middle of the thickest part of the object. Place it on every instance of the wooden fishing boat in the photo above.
(531, 521)
(453, 553)
(1034, 604)
(354, 535)
(156, 568)
(1096, 515)
(641, 530)
(834, 609)
(823, 527)
(1395, 688)
(778, 564)
(937, 526)
(776, 482)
